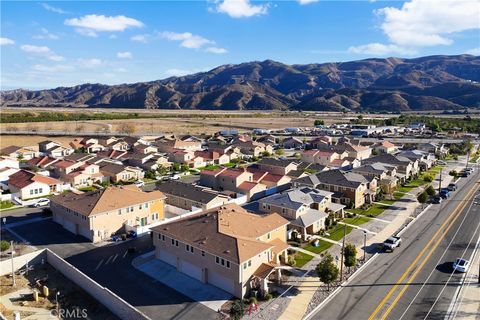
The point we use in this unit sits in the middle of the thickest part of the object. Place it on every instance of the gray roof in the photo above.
(309, 217)
(276, 162)
(334, 177)
(388, 159)
(186, 191)
(295, 198)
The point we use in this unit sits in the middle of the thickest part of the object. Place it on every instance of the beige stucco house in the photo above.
(227, 247)
(98, 214)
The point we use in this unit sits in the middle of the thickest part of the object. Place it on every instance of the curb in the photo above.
(411, 221)
(339, 288)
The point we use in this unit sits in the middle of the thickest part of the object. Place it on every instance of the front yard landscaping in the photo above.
(374, 210)
(301, 259)
(336, 234)
(324, 245)
(6, 204)
(356, 221)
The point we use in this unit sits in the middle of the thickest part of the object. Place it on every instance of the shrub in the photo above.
(4, 245)
(430, 191)
(291, 261)
(237, 309)
(422, 197)
(453, 173)
(123, 236)
(253, 300)
(268, 297)
(428, 178)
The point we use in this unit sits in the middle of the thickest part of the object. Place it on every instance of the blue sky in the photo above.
(64, 43)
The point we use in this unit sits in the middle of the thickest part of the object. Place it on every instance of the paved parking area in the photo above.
(206, 294)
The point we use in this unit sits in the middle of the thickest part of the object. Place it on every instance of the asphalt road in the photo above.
(416, 281)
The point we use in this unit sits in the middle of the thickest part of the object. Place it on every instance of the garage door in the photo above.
(168, 258)
(70, 226)
(191, 270)
(85, 232)
(221, 282)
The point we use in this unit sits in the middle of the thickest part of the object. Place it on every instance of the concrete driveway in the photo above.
(206, 294)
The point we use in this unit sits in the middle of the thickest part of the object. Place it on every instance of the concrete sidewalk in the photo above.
(299, 304)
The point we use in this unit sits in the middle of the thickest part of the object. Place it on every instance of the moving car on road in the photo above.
(461, 265)
(41, 203)
(391, 243)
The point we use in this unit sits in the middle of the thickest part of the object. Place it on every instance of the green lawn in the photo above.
(336, 234)
(356, 221)
(87, 189)
(210, 167)
(324, 245)
(6, 204)
(301, 259)
(374, 210)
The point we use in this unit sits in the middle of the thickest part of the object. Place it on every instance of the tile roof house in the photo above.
(27, 185)
(277, 166)
(213, 157)
(306, 208)
(54, 149)
(349, 188)
(384, 146)
(25, 153)
(406, 168)
(190, 197)
(253, 148)
(425, 159)
(8, 166)
(120, 173)
(355, 151)
(227, 247)
(292, 143)
(386, 175)
(98, 214)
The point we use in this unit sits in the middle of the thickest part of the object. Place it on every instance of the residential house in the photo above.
(236, 180)
(27, 185)
(213, 157)
(226, 247)
(306, 208)
(437, 149)
(253, 148)
(120, 173)
(190, 197)
(324, 157)
(348, 188)
(425, 159)
(98, 214)
(321, 142)
(186, 157)
(23, 153)
(54, 149)
(292, 143)
(277, 166)
(384, 147)
(406, 168)
(385, 174)
(165, 145)
(41, 162)
(83, 176)
(355, 151)
(8, 166)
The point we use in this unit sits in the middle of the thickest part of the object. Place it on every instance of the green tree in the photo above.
(327, 271)
(266, 154)
(430, 190)
(318, 122)
(4, 245)
(279, 152)
(176, 166)
(162, 170)
(349, 255)
(428, 178)
(453, 173)
(184, 168)
(237, 310)
(150, 175)
(422, 197)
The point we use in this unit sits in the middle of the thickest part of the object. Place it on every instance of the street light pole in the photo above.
(364, 245)
(13, 269)
(440, 182)
(58, 306)
(342, 251)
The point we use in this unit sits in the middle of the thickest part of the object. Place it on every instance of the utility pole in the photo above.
(468, 156)
(342, 252)
(13, 269)
(440, 182)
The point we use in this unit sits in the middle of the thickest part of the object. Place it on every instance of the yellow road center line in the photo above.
(412, 277)
(392, 290)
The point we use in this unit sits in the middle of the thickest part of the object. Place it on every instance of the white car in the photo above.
(41, 203)
(461, 265)
(175, 177)
(139, 184)
(441, 162)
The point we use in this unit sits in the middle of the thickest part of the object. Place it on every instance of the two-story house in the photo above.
(227, 247)
(98, 214)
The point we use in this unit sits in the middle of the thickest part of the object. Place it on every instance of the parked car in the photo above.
(41, 203)
(437, 200)
(452, 187)
(140, 183)
(131, 234)
(461, 265)
(464, 173)
(470, 169)
(391, 243)
(115, 238)
(441, 162)
(175, 177)
(444, 193)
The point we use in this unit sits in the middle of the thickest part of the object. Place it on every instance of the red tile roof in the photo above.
(24, 178)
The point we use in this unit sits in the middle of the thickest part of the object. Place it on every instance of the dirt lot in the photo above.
(31, 140)
(71, 296)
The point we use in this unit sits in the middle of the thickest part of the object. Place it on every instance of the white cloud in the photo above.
(421, 23)
(380, 49)
(140, 38)
(45, 34)
(120, 70)
(474, 51)
(90, 63)
(241, 8)
(53, 68)
(90, 24)
(187, 39)
(6, 41)
(124, 55)
(42, 51)
(216, 50)
(304, 2)
(58, 10)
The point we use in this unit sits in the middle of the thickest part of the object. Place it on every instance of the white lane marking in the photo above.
(99, 264)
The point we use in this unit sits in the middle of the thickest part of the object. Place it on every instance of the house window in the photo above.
(228, 264)
(119, 211)
(173, 242)
(153, 217)
(244, 265)
(31, 192)
(146, 204)
(269, 236)
(222, 262)
(203, 253)
(176, 243)
(249, 263)
(217, 259)
(163, 237)
(189, 248)
(140, 207)
(160, 236)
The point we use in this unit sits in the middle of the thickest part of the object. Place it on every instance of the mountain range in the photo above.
(391, 84)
